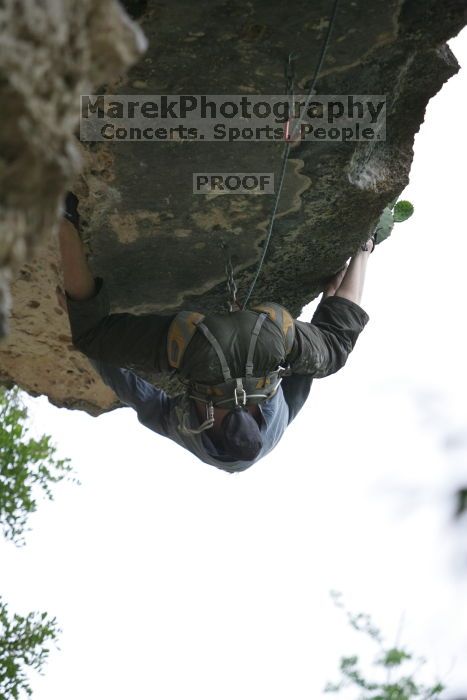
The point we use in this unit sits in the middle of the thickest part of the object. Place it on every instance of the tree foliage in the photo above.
(27, 467)
(24, 642)
(389, 659)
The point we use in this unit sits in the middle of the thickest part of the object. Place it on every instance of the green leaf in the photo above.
(403, 210)
(348, 662)
(394, 657)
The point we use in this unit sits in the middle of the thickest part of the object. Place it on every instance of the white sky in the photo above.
(174, 580)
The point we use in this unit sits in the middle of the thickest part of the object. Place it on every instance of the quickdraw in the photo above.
(232, 303)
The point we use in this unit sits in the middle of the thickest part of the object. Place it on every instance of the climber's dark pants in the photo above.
(139, 342)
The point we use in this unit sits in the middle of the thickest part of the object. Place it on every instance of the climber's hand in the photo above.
(334, 283)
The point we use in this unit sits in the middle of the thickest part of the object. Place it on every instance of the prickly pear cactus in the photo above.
(403, 210)
(394, 213)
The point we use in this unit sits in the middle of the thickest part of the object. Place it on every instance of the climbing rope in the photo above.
(290, 71)
(290, 87)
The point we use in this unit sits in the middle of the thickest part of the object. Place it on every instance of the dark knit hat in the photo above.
(241, 435)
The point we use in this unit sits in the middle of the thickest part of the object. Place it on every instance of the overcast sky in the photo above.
(174, 580)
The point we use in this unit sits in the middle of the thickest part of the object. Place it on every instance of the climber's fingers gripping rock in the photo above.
(334, 283)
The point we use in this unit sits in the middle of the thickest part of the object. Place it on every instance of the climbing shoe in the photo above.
(71, 209)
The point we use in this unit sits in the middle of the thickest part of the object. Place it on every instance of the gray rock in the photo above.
(157, 244)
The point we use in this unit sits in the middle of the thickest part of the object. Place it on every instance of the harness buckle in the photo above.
(240, 391)
(284, 371)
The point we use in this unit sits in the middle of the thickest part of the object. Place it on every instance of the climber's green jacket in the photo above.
(139, 341)
(122, 342)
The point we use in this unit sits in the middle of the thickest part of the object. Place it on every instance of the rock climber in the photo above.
(247, 373)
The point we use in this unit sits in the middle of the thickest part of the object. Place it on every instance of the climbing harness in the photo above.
(289, 140)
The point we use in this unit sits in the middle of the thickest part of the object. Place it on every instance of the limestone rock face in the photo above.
(155, 243)
(50, 52)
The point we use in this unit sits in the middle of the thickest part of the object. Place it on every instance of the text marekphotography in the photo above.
(232, 118)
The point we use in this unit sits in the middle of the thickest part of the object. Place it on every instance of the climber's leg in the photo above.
(124, 340)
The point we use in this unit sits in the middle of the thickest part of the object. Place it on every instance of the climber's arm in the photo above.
(351, 287)
(78, 278)
(122, 339)
(349, 281)
(125, 340)
(151, 404)
(322, 346)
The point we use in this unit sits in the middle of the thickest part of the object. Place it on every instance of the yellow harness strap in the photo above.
(283, 320)
(181, 331)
